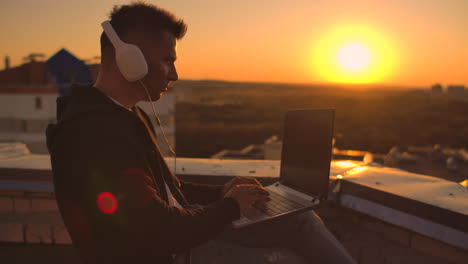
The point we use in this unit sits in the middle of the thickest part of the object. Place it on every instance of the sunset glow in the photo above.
(418, 42)
(354, 54)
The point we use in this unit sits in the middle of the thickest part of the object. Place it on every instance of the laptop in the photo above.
(305, 166)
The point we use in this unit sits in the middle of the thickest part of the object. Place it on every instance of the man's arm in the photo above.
(203, 194)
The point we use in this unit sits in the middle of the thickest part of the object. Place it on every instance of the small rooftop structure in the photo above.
(271, 150)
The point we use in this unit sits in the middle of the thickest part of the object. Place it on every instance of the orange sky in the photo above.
(270, 40)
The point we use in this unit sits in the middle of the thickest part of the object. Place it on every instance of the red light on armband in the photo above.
(107, 203)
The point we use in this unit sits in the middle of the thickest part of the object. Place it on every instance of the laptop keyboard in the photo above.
(277, 205)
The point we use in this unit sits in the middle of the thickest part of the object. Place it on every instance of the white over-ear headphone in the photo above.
(129, 58)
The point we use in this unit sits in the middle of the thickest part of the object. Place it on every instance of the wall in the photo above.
(31, 230)
(24, 118)
(370, 240)
(23, 106)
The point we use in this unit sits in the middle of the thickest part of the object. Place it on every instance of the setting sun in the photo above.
(353, 54)
(353, 57)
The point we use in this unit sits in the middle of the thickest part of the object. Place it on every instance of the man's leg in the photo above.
(304, 233)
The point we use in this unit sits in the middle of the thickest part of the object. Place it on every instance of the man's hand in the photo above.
(247, 195)
(239, 180)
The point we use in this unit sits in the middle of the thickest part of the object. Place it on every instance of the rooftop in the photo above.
(398, 205)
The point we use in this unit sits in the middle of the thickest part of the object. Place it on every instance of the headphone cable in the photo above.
(160, 127)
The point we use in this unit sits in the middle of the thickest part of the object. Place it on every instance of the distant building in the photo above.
(273, 147)
(27, 103)
(436, 89)
(456, 92)
(447, 163)
(7, 62)
(28, 96)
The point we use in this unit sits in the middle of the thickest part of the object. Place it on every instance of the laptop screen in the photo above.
(307, 149)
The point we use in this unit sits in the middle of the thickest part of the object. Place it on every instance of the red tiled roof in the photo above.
(28, 73)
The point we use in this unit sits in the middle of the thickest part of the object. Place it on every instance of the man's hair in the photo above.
(141, 17)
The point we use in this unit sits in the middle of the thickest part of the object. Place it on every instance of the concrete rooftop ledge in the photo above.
(426, 205)
(253, 168)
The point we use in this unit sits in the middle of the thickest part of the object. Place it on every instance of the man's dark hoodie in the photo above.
(100, 150)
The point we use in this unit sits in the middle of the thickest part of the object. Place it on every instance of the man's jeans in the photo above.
(299, 238)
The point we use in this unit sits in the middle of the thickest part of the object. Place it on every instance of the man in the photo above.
(117, 196)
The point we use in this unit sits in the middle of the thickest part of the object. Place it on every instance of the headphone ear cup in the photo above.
(131, 62)
(129, 58)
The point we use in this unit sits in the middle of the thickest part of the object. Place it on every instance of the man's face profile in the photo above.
(160, 53)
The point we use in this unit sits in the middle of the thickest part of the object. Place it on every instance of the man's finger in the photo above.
(258, 198)
(245, 180)
(252, 188)
(249, 180)
(262, 198)
(261, 190)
